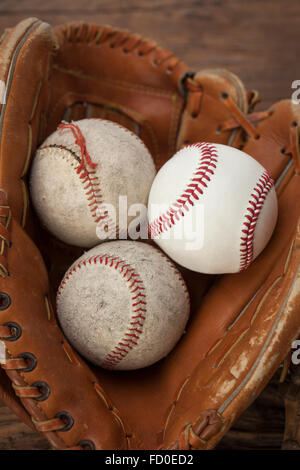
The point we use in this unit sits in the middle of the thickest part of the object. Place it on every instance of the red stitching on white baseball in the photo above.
(90, 184)
(196, 187)
(139, 307)
(258, 196)
(86, 172)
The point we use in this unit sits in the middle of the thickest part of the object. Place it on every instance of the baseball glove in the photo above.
(242, 325)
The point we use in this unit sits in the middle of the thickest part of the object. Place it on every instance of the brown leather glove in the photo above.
(241, 326)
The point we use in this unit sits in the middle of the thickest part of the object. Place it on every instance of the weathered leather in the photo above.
(241, 326)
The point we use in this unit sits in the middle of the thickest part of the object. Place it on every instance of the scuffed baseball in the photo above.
(212, 208)
(66, 199)
(123, 305)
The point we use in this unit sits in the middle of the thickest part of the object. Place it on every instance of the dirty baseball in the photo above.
(123, 305)
(82, 167)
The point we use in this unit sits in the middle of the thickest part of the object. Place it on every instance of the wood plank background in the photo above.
(257, 39)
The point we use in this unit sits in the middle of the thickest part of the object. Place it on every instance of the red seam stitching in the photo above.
(92, 190)
(90, 181)
(80, 141)
(196, 187)
(258, 195)
(133, 333)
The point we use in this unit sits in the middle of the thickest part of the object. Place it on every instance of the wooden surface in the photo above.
(258, 40)
(15, 435)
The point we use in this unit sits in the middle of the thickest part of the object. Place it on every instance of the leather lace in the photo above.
(129, 42)
(238, 118)
(293, 148)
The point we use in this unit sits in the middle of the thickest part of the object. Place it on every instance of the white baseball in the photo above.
(123, 305)
(212, 208)
(83, 166)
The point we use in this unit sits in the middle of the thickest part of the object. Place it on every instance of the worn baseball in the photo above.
(80, 169)
(123, 305)
(212, 208)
